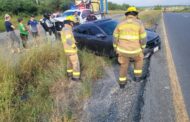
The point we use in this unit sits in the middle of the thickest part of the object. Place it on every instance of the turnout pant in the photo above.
(73, 66)
(124, 61)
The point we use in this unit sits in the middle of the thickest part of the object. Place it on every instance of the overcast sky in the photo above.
(152, 2)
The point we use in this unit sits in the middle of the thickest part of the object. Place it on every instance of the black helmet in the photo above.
(47, 15)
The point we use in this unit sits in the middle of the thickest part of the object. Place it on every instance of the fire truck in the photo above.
(94, 5)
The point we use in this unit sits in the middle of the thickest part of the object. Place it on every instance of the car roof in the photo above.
(97, 22)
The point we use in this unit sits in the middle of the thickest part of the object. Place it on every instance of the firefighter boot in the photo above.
(122, 86)
(138, 79)
(76, 79)
(69, 75)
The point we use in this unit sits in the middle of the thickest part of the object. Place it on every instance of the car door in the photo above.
(80, 34)
(98, 39)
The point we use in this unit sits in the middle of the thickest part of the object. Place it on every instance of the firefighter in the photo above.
(77, 20)
(130, 40)
(73, 66)
(73, 18)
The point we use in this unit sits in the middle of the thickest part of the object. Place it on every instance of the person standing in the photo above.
(70, 49)
(23, 32)
(48, 27)
(34, 29)
(77, 20)
(12, 35)
(130, 40)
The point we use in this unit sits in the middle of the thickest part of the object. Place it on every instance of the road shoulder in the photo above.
(158, 105)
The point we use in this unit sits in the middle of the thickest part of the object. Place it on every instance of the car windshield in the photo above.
(68, 13)
(108, 27)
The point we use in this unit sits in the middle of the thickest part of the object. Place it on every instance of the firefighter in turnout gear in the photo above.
(70, 49)
(130, 40)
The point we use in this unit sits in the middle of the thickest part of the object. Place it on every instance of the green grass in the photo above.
(38, 73)
(112, 12)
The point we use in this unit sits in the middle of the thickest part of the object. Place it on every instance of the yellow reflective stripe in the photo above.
(129, 37)
(115, 35)
(129, 52)
(143, 46)
(114, 45)
(68, 36)
(73, 46)
(143, 35)
(138, 71)
(70, 51)
(69, 70)
(122, 78)
(76, 73)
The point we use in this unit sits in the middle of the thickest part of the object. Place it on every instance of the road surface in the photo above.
(178, 31)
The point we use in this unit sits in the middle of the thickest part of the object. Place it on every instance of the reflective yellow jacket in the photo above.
(68, 41)
(130, 36)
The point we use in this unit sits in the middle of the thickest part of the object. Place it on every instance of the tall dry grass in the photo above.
(150, 17)
(33, 86)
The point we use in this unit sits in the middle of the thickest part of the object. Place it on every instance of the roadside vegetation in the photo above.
(150, 17)
(26, 8)
(33, 85)
(186, 9)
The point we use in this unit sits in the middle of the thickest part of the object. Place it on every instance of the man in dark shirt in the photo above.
(12, 35)
(9, 27)
(91, 17)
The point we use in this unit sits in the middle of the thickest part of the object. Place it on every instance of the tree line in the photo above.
(115, 6)
(17, 7)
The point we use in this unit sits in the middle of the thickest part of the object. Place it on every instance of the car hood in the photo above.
(59, 19)
(151, 35)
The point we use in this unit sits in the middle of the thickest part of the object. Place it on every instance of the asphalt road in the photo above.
(178, 31)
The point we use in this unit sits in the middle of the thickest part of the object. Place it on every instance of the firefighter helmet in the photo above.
(70, 18)
(131, 11)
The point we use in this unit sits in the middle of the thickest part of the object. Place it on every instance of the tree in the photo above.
(158, 7)
(114, 6)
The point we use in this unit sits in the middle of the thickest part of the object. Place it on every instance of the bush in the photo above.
(158, 7)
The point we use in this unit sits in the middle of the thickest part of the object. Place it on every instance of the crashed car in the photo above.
(98, 37)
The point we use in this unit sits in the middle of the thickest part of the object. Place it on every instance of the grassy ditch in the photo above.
(32, 88)
(150, 17)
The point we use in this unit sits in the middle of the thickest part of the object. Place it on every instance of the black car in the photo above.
(98, 37)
